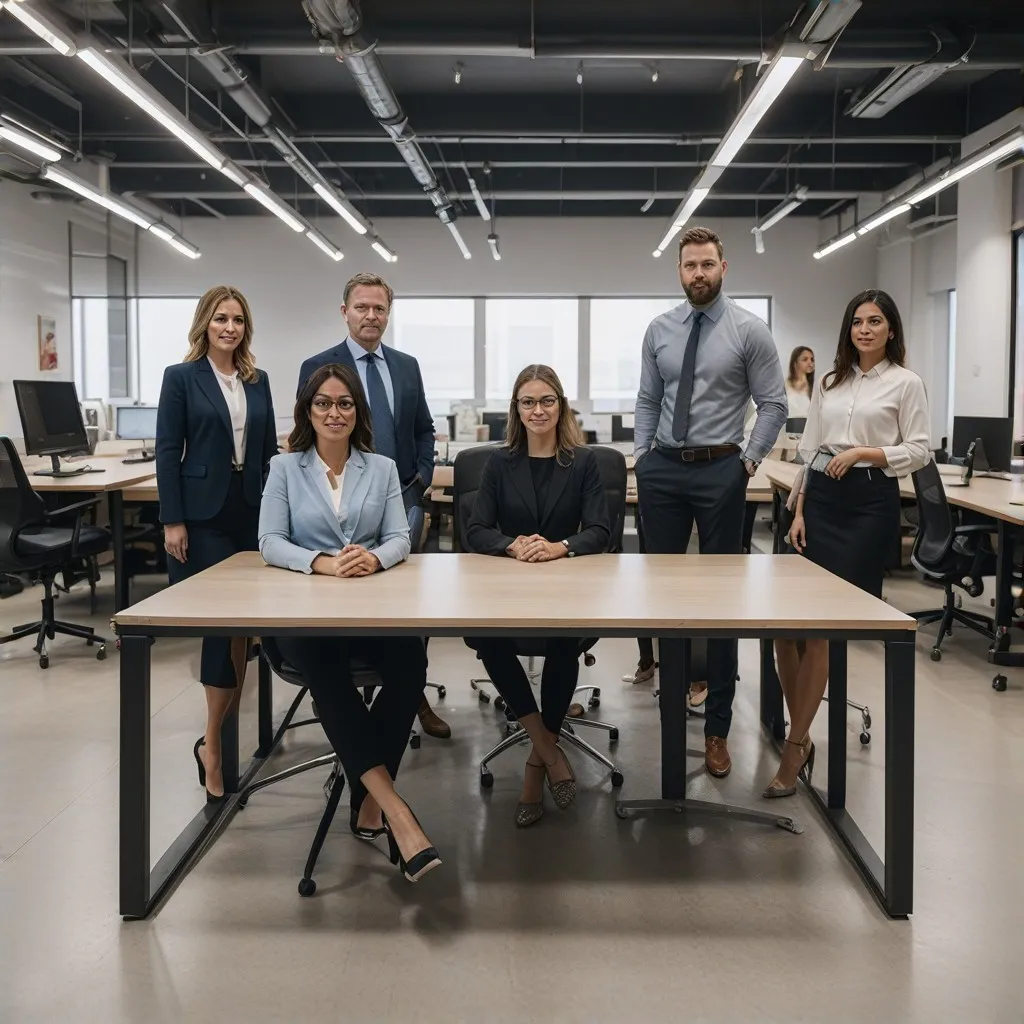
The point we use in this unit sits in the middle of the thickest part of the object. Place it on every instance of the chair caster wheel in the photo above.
(486, 780)
(589, 659)
(594, 702)
(414, 742)
(101, 653)
(998, 684)
(936, 654)
(865, 738)
(441, 693)
(307, 887)
(613, 735)
(484, 698)
(44, 662)
(499, 704)
(621, 812)
(617, 780)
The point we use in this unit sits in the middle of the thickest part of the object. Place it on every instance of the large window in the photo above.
(524, 331)
(163, 339)
(439, 333)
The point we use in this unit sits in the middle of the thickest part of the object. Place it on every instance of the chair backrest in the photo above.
(467, 472)
(20, 506)
(611, 464)
(936, 529)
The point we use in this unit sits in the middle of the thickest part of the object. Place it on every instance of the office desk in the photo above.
(988, 496)
(675, 597)
(115, 479)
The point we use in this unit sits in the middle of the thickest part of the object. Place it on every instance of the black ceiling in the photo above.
(552, 146)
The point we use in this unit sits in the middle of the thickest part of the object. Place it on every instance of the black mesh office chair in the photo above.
(468, 470)
(951, 554)
(43, 543)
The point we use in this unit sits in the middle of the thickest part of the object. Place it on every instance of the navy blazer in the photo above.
(414, 426)
(195, 445)
(506, 505)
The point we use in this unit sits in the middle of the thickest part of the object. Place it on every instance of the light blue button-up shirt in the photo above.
(359, 355)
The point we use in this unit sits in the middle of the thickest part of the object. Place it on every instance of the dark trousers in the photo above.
(674, 495)
(235, 528)
(557, 682)
(363, 737)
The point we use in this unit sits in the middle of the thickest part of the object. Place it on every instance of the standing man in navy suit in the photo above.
(403, 428)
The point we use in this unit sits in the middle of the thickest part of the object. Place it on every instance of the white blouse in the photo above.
(799, 402)
(334, 484)
(884, 408)
(234, 395)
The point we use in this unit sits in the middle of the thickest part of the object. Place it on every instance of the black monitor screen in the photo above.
(497, 421)
(796, 424)
(51, 418)
(996, 433)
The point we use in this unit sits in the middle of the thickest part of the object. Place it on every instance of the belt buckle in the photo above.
(687, 455)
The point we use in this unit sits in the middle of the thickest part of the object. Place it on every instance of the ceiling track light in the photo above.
(341, 207)
(33, 144)
(759, 241)
(459, 241)
(654, 73)
(325, 245)
(383, 251)
(457, 72)
(492, 241)
(784, 209)
(481, 206)
(837, 243)
(579, 73)
(269, 201)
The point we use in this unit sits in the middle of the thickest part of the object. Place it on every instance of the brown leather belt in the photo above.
(715, 451)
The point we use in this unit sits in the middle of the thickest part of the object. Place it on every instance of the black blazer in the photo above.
(414, 426)
(195, 445)
(506, 505)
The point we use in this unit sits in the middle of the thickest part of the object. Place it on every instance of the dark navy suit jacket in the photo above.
(414, 426)
(195, 445)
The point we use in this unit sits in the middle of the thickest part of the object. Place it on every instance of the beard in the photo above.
(703, 294)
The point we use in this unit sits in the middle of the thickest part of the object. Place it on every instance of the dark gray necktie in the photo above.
(380, 409)
(684, 393)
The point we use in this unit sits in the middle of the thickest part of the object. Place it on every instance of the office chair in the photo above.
(469, 467)
(362, 676)
(42, 543)
(952, 555)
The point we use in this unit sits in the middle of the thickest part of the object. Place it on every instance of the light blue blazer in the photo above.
(298, 521)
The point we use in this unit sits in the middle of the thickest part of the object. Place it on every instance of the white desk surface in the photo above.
(434, 592)
(115, 475)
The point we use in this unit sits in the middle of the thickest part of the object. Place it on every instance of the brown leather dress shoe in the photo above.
(431, 724)
(716, 757)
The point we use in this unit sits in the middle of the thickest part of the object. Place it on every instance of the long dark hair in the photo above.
(303, 436)
(567, 432)
(809, 377)
(847, 354)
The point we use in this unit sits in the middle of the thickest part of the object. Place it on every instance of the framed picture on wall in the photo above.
(47, 343)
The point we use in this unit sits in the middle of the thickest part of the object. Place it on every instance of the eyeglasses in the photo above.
(324, 405)
(547, 402)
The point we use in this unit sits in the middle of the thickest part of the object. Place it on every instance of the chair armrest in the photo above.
(975, 528)
(78, 507)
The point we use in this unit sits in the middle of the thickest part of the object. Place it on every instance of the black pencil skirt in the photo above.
(853, 524)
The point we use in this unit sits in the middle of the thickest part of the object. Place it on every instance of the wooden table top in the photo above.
(988, 495)
(115, 475)
(462, 593)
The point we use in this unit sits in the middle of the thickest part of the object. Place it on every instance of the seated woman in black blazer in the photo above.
(540, 498)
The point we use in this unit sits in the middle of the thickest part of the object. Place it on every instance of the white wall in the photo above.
(295, 290)
(984, 286)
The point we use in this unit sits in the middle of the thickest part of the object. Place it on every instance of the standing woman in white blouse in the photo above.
(867, 426)
(215, 435)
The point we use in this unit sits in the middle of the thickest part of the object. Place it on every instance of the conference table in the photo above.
(673, 597)
(993, 497)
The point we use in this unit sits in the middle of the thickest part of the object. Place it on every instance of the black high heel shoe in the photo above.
(210, 798)
(366, 834)
(424, 861)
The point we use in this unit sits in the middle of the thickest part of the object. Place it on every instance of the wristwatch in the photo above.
(568, 549)
(751, 465)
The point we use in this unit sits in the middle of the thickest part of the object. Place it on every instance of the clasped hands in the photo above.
(351, 560)
(536, 549)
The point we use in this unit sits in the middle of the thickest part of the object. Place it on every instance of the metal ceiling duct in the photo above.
(337, 23)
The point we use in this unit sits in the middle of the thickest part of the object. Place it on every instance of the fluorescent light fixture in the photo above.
(162, 231)
(492, 241)
(267, 199)
(383, 251)
(185, 248)
(784, 209)
(481, 206)
(994, 151)
(50, 33)
(828, 19)
(30, 143)
(898, 85)
(318, 240)
(233, 174)
(837, 243)
(882, 217)
(104, 199)
(466, 254)
(342, 208)
(657, 253)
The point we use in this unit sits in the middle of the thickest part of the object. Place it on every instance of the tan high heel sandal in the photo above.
(805, 769)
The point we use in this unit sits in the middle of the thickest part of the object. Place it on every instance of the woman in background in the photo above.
(215, 435)
(800, 381)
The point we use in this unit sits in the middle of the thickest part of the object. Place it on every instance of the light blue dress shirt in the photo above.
(359, 355)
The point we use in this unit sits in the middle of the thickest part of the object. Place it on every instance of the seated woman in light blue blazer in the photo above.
(332, 507)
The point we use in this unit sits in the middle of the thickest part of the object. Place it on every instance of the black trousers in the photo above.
(557, 682)
(235, 528)
(674, 495)
(363, 737)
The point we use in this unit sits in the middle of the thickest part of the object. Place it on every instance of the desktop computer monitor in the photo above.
(136, 423)
(796, 424)
(497, 421)
(51, 421)
(622, 428)
(995, 432)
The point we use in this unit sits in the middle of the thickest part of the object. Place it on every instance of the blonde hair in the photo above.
(369, 281)
(199, 342)
(567, 433)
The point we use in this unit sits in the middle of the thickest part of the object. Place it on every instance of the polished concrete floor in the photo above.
(582, 918)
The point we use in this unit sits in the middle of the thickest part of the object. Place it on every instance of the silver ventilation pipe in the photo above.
(337, 23)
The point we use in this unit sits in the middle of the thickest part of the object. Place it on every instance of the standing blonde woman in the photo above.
(215, 435)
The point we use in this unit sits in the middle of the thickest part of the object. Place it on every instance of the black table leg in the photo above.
(115, 507)
(999, 653)
(266, 708)
(899, 775)
(134, 777)
(836, 724)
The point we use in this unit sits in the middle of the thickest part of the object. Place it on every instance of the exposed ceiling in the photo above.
(661, 82)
